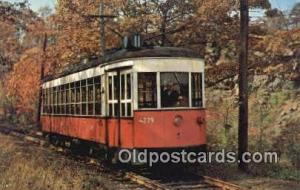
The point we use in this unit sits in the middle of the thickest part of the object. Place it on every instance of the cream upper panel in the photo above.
(138, 65)
(169, 65)
(92, 72)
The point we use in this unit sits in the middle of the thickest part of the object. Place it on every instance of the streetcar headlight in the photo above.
(178, 120)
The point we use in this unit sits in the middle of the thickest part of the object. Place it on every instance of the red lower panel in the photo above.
(127, 133)
(148, 129)
(91, 129)
(156, 129)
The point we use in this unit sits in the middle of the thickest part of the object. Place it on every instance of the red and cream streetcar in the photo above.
(145, 98)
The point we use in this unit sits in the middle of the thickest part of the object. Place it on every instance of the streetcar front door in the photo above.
(119, 103)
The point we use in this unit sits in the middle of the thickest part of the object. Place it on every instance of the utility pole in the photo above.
(102, 17)
(38, 120)
(102, 23)
(102, 29)
(243, 84)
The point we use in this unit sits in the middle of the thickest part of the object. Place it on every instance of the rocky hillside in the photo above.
(274, 116)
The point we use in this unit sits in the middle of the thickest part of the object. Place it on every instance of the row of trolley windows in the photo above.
(174, 90)
(84, 97)
(76, 98)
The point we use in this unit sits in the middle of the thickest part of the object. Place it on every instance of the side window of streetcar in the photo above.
(58, 100)
(128, 94)
(63, 96)
(98, 94)
(77, 98)
(197, 89)
(147, 90)
(73, 98)
(50, 104)
(83, 97)
(55, 100)
(174, 90)
(67, 86)
(90, 94)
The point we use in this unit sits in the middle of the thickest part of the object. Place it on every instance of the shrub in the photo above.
(287, 143)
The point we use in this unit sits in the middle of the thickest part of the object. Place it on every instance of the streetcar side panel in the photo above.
(169, 129)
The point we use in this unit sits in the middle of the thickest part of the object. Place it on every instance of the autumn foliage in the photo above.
(23, 82)
(209, 27)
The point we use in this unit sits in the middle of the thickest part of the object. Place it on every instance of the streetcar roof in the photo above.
(124, 54)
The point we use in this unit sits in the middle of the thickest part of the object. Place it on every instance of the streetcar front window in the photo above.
(174, 89)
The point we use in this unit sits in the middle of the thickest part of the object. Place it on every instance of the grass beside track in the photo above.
(27, 167)
(23, 167)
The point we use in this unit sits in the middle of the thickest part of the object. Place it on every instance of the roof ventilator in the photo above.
(132, 42)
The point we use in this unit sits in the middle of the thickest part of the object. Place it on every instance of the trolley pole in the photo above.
(243, 84)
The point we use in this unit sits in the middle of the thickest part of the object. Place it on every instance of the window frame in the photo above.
(96, 101)
(90, 99)
(158, 86)
(157, 76)
(126, 100)
(112, 100)
(189, 91)
(201, 88)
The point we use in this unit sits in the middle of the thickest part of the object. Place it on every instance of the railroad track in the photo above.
(190, 182)
(145, 178)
